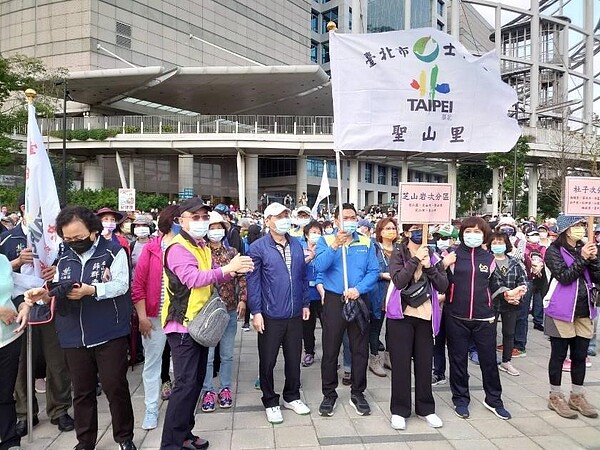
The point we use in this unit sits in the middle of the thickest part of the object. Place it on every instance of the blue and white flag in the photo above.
(418, 90)
(324, 191)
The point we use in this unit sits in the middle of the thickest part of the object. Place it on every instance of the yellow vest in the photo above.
(181, 303)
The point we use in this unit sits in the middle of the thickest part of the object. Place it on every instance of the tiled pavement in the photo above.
(244, 426)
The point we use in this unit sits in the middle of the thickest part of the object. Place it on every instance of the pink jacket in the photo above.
(147, 280)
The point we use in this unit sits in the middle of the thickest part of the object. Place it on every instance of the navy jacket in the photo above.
(12, 242)
(90, 321)
(272, 289)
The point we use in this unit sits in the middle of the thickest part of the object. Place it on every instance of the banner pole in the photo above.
(338, 169)
(29, 386)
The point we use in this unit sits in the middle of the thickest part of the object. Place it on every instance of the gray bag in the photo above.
(208, 327)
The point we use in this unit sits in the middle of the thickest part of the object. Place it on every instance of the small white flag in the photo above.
(324, 191)
(41, 199)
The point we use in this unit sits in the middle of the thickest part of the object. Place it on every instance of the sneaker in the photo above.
(499, 411)
(308, 360)
(462, 412)
(225, 399)
(257, 384)
(566, 365)
(509, 369)
(578, 402)
(195, 443)
(592, 352)
(360, 405)
(166, 390)
(246, 327)
(40, 385)
(327, 406)
(209, 399)
(474, 357)
(516, 353)
(436, 379)
(588, 362)
(298, 407)
(375, 366)
(432, 420)
(347, 379)
(398, 422)
(500, 348)
(557, 403)
(537, 326)
(150, 420)
(274, 414)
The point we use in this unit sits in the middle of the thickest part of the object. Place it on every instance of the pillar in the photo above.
(251, 180)
(301, 178)
(404, 171)
(588, 81)
(495, 191)
(185, 164)
(241, 178)
(452, 172)
(353, 184)
(534, 92)
(533, 191)
(93, 174)
(131, 173)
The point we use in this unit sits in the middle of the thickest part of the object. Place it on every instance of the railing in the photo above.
(253, 124)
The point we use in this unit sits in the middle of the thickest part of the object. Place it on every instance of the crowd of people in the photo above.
(125, 289)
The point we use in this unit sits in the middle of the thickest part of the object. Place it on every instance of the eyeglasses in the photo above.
(390, 228)
(76, 238)
(444, 238)
(196, 217)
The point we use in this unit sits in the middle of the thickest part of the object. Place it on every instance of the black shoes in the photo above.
(195, 443)
(327, 407)
(538, 327)
(127, 445)
(21, 427)
(360, 405)
(64, 422)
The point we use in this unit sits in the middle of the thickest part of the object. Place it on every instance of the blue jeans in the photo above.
(226, 351)
(593, 340)
(522, 319)
(347, 353)
(153, 351)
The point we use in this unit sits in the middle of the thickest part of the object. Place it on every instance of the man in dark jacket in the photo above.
(277, 296)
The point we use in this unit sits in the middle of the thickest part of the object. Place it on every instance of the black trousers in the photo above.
(165, 365)
(509, 325)
(411, 338)
(109, 361)
(9, 362)
(308, 327)
(189, 365)
(375, 326)
(460, 333)
(334, 326)
(286, 333)
(439, 348)
(558, 353)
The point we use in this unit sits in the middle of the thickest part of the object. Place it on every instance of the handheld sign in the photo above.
(582, 198)
(425, 203)
(126, 199)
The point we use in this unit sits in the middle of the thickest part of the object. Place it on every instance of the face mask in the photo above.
(498, 249)
(577, 233)
(389, 234)
(81, 246)
(443, 245)
(328, 230)
(303, 222)
(141, 231)
(507, 230)
(473, 240)
(350, 227)
(198, 228)
(534, 239)
(126, 227)
(313, 238)
(215, 235)
(282, 226)
(109, 226)
(175, 228)
(417, 236)
(543, 235)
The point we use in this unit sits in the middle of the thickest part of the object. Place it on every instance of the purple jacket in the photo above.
(562, 300)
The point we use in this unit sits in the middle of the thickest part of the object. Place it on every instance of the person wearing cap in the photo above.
(544, 235)
(364, 227)
(303, 215)
(569, 312)
(110, 223)
(234, 294)
(93, 311)
(536, 274)
(362, 273)
(232, 232)
(142, 228)
(507, 225)
(190, 277)
(278, 300)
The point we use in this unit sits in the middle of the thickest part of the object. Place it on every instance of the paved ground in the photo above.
(245, 425)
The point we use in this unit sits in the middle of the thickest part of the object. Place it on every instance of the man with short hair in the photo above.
(303, 214)
(363, 273)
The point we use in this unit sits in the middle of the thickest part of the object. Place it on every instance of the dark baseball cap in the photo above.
(192, 205)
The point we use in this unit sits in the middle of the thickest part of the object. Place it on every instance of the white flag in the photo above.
(324, 191)
(41, 199)
(418, 90)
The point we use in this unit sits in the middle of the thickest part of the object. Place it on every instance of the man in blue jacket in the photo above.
(277, 296)
(363, 273)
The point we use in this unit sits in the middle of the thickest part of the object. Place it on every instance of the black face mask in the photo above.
(81, 246)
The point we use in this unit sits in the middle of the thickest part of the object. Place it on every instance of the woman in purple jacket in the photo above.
(147, 296)
(569, 312)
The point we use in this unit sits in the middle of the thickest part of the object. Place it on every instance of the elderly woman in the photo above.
(93, 321)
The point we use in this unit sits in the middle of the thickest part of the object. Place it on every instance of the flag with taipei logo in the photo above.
(418, 90)
(41, 199)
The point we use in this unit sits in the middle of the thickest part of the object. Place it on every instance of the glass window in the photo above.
(314, 21)
(440, 25)
(350, 19)
(314, 52)
(325, 53)
(368, 172)
(328, 16)
(381, 174)
(277, 167)
(440, 7)
(395, 176)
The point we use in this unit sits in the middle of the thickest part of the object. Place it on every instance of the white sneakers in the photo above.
(274, 414)
(298, 407)
(399, 422)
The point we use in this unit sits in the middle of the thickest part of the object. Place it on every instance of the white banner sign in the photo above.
(126, 199)
(418, 90)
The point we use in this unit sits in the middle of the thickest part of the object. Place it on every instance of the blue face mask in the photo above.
(498, 249)
(473, 240)
(350, 227)
(417, 236)
(507, 230)
(176, 228)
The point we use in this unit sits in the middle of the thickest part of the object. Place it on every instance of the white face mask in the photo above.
(543, 235)
(534, 239)
(313, 238)
(215, 235)
(303, 222)
(141, 231)
(282, 226)
(328, 230)
(198, 229)
(443, 244)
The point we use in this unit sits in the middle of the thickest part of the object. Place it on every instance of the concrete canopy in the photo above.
(269, 90)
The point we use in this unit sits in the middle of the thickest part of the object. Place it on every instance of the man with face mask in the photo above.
(302, 219)
(363, 273)
(278, 300)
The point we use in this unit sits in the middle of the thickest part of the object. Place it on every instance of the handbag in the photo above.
(417, 293)
(209, 325)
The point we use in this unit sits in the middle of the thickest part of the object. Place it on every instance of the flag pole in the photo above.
(30, 94)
